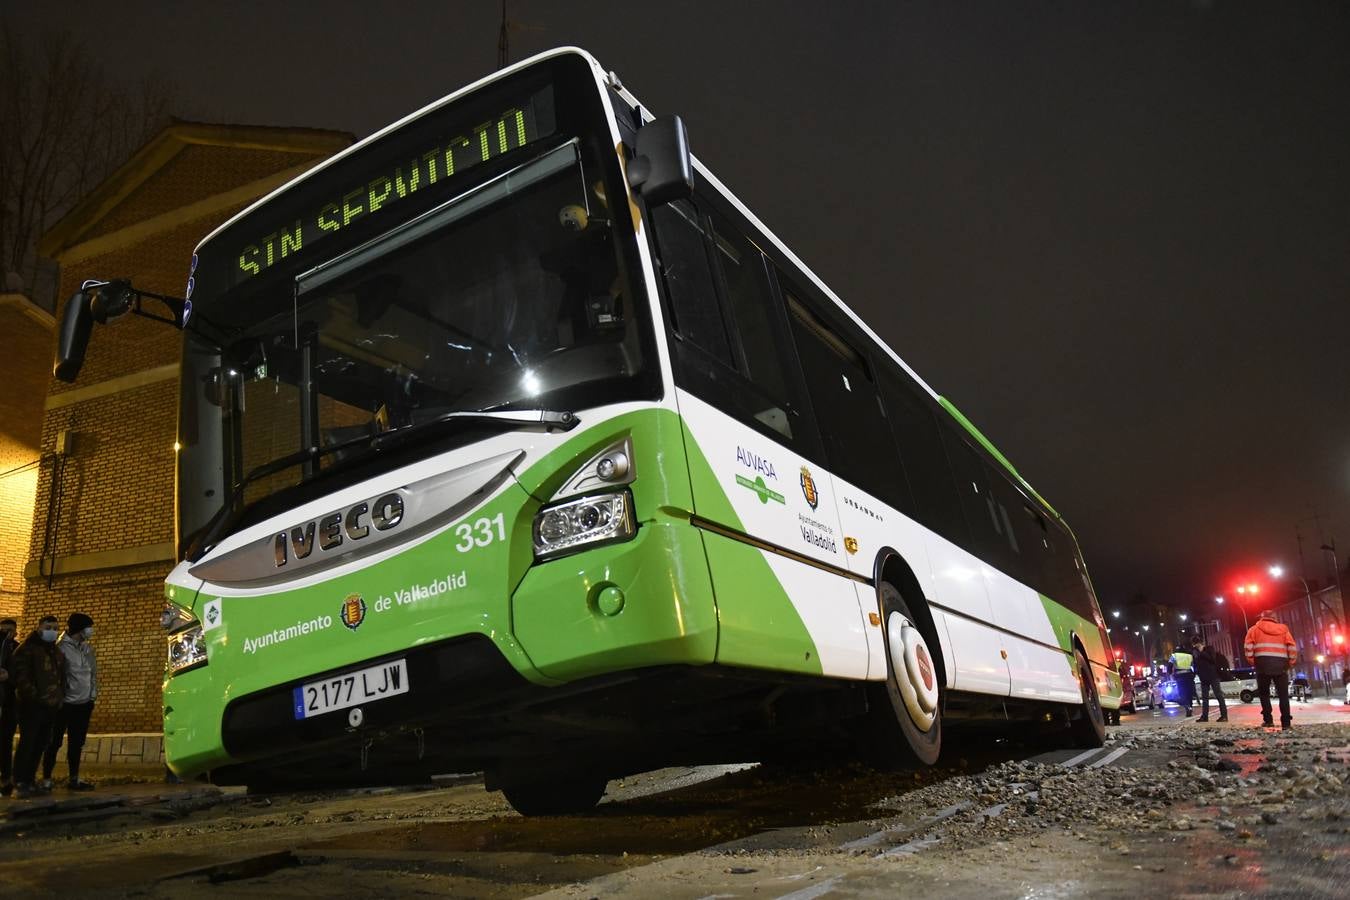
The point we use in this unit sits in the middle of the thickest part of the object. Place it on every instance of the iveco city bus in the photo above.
(511, 441)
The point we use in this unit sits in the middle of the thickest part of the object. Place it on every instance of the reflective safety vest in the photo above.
(1269, 638)
(1182, 660)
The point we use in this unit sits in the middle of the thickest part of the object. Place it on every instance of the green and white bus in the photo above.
(511, 441)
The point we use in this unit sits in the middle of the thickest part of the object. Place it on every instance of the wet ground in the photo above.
(1169, 807)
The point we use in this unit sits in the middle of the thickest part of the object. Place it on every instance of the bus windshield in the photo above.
(510, 296)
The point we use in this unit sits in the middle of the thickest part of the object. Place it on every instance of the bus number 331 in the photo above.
(480, 533)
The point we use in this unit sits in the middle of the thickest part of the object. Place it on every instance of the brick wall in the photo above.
(125, 605)
(27, 352)
(115, 490)
(195, 173)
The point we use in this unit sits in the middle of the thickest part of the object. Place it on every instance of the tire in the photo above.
(911, 714)
(1089, 722)
(560, 797)
(1248, 696)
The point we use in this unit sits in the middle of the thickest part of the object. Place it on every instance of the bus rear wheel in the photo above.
(560, 796)
(913, 728)
(1089, 723)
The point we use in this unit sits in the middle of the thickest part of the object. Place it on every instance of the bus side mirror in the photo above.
(102, 302)
(111, 301)
(73, 340)
(95, 302)
(662, 168)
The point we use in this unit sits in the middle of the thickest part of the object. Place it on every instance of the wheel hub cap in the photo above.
(912, 665)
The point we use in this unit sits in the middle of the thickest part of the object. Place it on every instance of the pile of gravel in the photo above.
(1238, 780)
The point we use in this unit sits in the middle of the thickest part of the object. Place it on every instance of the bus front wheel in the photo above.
(913, 726)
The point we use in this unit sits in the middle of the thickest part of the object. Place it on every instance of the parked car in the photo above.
(1126, 703)
(1143, 694)
(1239, 684)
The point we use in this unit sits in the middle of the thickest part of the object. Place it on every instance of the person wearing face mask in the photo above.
(9, 713)
(39, 675)
(72, 721)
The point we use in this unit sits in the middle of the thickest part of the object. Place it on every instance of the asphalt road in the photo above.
(1168, 807)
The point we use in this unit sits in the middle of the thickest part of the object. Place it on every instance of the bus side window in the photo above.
(751, 302)
(987, 538)
(938, 506)
(848, 408)
(688, 278)
(725, 350)
(1065, 578)
(1026, 539)
(1039, 546)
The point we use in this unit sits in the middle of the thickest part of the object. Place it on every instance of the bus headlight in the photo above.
(187, 649)
(583, 523)
(175, 618)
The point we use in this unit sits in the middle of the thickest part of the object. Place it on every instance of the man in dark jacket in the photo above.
(9, 713)
(1207, 673)
(40, 686)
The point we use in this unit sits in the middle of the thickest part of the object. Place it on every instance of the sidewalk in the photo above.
(138, 755)
(1317, 710)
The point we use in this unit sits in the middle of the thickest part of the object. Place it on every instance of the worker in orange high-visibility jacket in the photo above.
(1270, 646)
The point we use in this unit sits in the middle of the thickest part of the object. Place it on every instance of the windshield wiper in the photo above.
(508, 419)
(502, 420)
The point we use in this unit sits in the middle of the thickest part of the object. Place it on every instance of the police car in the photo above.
(1239, 684)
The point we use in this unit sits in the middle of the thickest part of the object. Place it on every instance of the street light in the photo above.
(1143, 649)
(1335, 567)
(1115, 614)
(1277, 571)
(1241, 608)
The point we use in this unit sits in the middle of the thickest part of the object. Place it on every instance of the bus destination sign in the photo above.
(385, 185)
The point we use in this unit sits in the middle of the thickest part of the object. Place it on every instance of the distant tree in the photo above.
(65, 125)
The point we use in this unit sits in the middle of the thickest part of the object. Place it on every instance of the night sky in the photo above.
(1116, 235)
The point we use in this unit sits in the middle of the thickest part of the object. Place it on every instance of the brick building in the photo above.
(1315, 618)
(27, 364)
(101, 522)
